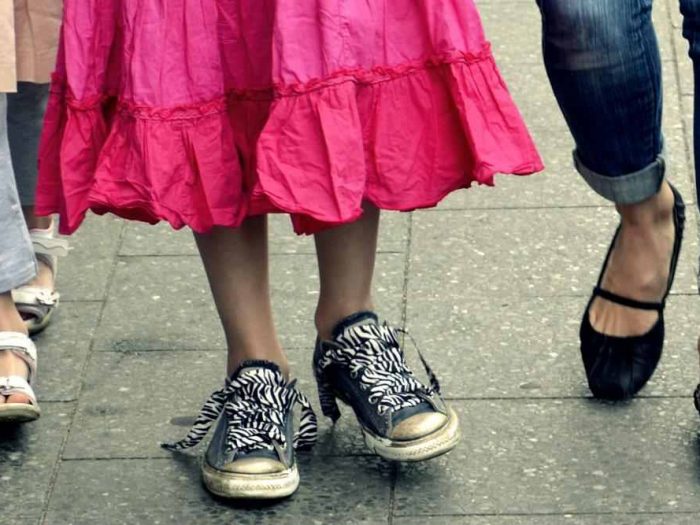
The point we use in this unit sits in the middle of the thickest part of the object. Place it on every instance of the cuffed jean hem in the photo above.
(20, 277)
(631, 188)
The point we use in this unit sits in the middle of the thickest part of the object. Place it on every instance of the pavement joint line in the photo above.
(404, 319)
(82, 374)
(219, 349)
(392, 492)
(406, 270)
(195, 255)
(570, 398)
(87, 301)
(197, 456)
(601, 206)
(548, 514)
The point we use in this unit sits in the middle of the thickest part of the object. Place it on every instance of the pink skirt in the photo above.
(203, 113)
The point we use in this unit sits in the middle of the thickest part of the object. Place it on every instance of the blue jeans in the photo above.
(691, 31)
(603, 61)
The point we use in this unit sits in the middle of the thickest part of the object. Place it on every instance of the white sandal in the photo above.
(35, 304)
(23, 347)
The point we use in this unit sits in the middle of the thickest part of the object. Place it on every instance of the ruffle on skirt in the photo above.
(401, 138)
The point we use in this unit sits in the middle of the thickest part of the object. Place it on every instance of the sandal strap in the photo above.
(10, 385)
(48, 247)
(23, 347)
(626, 301)
(46, 243)
(33, 295)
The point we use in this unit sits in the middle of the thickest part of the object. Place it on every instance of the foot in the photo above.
(363, 365)
(251, 454)
(45, 276)
(638, 267)
(10, 364)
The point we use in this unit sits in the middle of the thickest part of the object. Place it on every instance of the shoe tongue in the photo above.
(355, 320)
(259, 368)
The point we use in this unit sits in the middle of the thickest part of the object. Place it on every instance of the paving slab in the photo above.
(533, 94)
(145, 239)
(514, 28)
(63, 349)
(84, 274)
(164, 303)
(132, 402)
(510, 253)
(529, 347)
(562, 456)
(11, 520)
(561, 519)
(560, 186)
(342, 490)
(28, 454)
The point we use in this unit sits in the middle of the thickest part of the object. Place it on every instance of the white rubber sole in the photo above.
(250, 486)
(18, 413)
(436, 444)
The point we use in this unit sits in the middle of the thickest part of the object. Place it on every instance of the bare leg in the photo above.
(346, 257)
(10, 364)
(236, 262)
(639, 265)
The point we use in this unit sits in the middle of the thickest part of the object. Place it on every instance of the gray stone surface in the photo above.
(561, 456)
(514, 28)
(164, 303)
(529, 347)
(491, 285)
(85, 275)
(132, 402)
(564, 519)
(62, 351)
(28, 455)
(345, 490)
(537, 253)
(144, 239)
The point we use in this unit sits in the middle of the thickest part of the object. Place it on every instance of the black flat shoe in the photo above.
(696, 396)
(619, 367)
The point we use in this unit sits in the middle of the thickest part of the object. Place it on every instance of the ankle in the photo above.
(10, 319)
(35, 222)
(235, 360)
(327, 318)
(656, 210)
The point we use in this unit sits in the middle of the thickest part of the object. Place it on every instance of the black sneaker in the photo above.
(364, 366)
(251, 454)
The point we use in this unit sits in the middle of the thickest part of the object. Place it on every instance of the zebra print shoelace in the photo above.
(256, 404)
(373, 355)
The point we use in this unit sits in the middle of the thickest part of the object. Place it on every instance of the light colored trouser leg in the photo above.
(17, 263)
